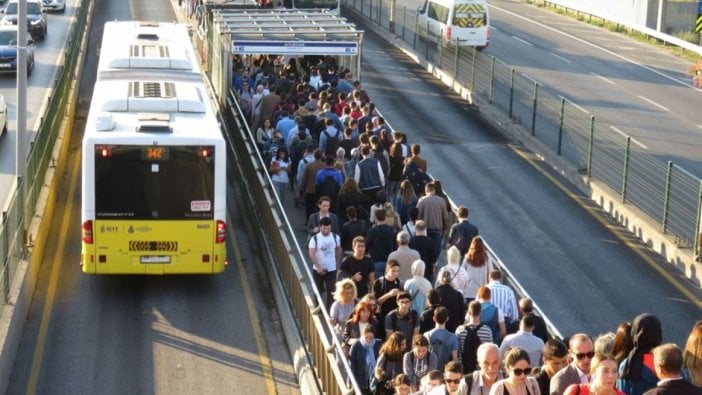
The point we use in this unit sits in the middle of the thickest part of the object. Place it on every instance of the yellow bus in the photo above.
(153, 159)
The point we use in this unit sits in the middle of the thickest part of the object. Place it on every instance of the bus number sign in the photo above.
(154, 153)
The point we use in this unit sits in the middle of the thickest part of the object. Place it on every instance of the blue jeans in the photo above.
(379, 268)
(437, 236)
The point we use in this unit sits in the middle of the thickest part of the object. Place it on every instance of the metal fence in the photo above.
(19, 211)
(665, 192)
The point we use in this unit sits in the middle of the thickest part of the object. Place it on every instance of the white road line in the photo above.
(699, 126)
(603, 78)
(572, 37)
(560, 57)
(654, 103)
(574, 105)
(500, 61)
(522, 40)
(626, 135)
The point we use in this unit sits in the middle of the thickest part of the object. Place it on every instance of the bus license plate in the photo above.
(155, 259)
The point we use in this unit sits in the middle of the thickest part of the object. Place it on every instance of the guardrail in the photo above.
(18, 212)
(665, 192)
(582, 7)
(332, 368)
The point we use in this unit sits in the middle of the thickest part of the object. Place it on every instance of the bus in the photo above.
(332, 5)
(153, 158)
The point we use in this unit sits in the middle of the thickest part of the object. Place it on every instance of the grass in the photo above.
(688, 36)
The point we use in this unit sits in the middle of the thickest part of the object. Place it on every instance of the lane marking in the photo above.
(500, 61)
(263, 356)
(56, 265)
(699, 126)
(626, 135)
(574, 105)
(614, 229)
(654, 103)
(561, 58)
(593, 45)
(523, 41)
(603, 78)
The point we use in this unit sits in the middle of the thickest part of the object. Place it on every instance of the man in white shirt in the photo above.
(503, 297)
(325, 253)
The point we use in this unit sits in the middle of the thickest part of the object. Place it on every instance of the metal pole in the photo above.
(533, 109)
(590, 145)
(697, 224)
(666, 198)
(472, 71)
(511, 92)
(380, 11)
(560, 125)
(455, 59)
(21, 155)
(625, 177)
(391, 20)
(492, 79)
(416, 27)
(404, 21)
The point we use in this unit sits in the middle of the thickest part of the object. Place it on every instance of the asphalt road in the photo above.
(46, 56)
(147, 335)
(642, 91)
(582, 270)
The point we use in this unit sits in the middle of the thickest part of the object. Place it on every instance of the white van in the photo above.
(455, 22)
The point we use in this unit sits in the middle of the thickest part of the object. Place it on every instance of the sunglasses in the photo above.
(589, 355)
(452, 381)
(519, 372)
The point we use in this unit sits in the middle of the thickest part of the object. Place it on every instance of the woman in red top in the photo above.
(603, 370)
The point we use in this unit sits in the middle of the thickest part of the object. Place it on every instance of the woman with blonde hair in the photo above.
(344, 304)
(459, 275)
(477, 265)
(603, 376)
(692, 355)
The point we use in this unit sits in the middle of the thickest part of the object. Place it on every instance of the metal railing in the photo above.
(332, 368)
(17, 213)
(665, 192)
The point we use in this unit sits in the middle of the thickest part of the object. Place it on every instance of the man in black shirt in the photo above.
(358, 267)
(351, 229)
(380, 242)
(426, 247)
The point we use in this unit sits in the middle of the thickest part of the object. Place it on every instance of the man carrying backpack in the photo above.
(328, 182)
(491, 315)
(471, 336)
(329, 139)
(462, 232)
(442, 343)
(403, 318)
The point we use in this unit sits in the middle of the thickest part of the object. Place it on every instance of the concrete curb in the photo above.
(633, 219)
(22, 288)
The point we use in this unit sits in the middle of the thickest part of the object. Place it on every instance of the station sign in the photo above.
(254, 47)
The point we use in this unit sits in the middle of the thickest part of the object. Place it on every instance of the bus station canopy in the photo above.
(292, 32)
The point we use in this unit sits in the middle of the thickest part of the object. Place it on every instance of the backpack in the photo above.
(492, 321)
(438, 347)
(459, 239)
(329, 188)
(336, 240)
(416, 177)
(469, 355)
(332, 143)
(350, 165)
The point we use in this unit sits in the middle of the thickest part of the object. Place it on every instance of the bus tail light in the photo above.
(448, 34)
(221, 232)
(87, 232)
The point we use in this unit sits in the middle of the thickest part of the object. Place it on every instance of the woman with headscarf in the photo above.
(363, 358)
(636, 373)
(418, 286)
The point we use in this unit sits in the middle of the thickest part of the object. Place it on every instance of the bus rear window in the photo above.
(154, 182)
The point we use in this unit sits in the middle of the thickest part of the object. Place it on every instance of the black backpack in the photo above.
(329, 188)
(332, 143)
(469, 354)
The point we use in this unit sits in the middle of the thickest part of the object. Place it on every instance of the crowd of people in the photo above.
(376, 225)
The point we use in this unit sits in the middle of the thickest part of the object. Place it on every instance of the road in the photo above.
(46, 55)
(585, 272)
(642, 91)
(132, 334)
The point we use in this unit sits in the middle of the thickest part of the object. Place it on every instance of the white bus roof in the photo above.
(136, 112)
(146, 45)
